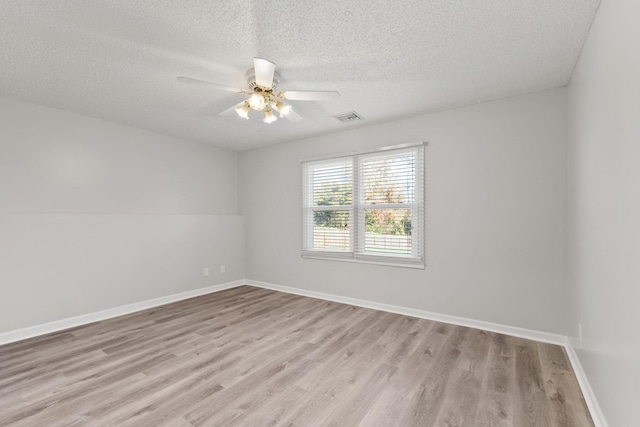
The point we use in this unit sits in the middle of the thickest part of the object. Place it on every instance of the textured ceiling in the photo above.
(119, 59)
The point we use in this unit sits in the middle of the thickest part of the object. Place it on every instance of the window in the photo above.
(366, 207)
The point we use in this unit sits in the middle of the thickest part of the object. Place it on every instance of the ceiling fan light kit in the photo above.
(269, 117)
(264, 95)
(244, 110)
(283, 109)
(266, 100)
(257, 102)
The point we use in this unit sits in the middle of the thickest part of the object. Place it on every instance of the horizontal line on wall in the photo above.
(115, 213)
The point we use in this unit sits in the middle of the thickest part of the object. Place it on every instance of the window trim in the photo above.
(357, 209)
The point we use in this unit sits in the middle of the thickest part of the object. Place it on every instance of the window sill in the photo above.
(365, 259)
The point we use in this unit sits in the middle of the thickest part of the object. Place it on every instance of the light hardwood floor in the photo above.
(255, 357)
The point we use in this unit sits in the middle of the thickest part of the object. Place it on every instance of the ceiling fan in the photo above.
(264, 94)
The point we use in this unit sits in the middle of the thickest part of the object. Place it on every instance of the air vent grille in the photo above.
(349, 117)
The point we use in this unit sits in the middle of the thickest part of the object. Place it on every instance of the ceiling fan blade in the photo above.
(310, 95)
(293, 116)
(211, 84)
(231, 111)
(264, 71)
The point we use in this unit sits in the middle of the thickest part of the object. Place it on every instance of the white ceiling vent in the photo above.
(349, 117)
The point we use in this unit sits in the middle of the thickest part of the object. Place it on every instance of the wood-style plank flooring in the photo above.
(255, 357)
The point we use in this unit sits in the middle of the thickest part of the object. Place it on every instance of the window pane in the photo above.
(331, 230)
(388, 231)
(389, 179)
(366, 207)
(332, 184)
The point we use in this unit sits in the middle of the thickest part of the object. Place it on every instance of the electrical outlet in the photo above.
(206, 272)
(580, 331)
(223, 269)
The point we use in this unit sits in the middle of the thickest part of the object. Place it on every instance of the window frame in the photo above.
(309, 209)
(357, 209)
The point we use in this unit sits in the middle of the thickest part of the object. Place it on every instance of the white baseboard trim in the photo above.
(58, 325)
(587, 391)
(461, 321)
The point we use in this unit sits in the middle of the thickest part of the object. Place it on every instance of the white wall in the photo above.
(496, 214)
(95, 215)
(604, 209)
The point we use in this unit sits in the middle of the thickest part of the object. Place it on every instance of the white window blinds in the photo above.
(328, 211)
(367, 207)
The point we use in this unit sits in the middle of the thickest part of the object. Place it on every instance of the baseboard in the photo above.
(58, 325)
(587, 391)
(461, 321)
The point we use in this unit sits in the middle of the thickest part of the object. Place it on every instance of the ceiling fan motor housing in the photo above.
(251, 81)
